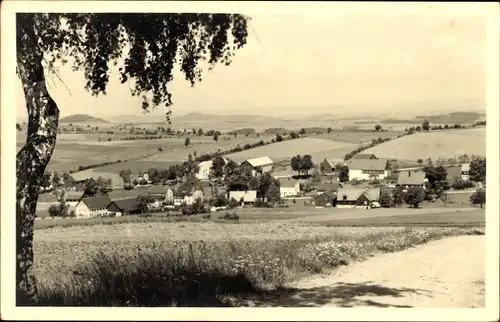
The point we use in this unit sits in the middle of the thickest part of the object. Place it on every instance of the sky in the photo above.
(296, 64)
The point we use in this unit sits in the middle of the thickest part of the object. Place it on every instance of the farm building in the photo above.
(80, 177)
(328, 165)
(71, 199)
(368, 169)
(245, 197)
(128, 206)
(364, 156)
(263, 163)
(188, 196)
(464, 171)
(160, 194)
(205, 168)
(289, 188)
(409, 178)
(92, 207)
(357, 197)
(326, 199)
(325, 186)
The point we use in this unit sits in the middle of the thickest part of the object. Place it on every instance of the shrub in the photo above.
(230, 216)
(385, 200)
(462, 184)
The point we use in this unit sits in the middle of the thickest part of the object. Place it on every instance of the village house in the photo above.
(187, 194)
(263, 163)
(244, 197)
(369, 169)
(464, 171)
(289, 188)
(407, 179)
(160, 194)
(92, 207)
(357, 197)
(205, 169)
(325, 186)
(326, 199)
(329, 165)
(364, 156)
(128, 206)
(71, 199)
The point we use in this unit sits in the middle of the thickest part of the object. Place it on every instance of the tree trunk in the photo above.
(31, 160)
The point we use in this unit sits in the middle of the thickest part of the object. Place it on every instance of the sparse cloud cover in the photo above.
(293, 61)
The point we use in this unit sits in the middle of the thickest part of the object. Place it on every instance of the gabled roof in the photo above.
(465, 167)
(158, 189)
(411, 178)
(330, 193)
(99, 202)
(258, 162)
(128, 204)
(287, 183)
(368, 164)
(332, 162)
(324, 186)
(354, 194)
(72, 195)
(365, 156)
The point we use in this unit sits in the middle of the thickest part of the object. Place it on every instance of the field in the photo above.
(357, 137)
(316, 147)
(193, 264)
(443, 144)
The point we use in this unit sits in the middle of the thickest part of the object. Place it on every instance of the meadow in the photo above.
(199, 264)
(318, 148)
(443, 144)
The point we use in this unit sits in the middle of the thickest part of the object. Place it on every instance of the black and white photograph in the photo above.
(204, 154)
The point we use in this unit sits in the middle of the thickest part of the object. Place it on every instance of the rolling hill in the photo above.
(81, 118)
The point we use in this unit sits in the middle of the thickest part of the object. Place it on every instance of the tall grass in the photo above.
(204, 273)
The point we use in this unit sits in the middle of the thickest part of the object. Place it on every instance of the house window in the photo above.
(372, 171)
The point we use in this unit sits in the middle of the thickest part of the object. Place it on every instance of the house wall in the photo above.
(289, 191)
(465, 175)
(355, 174)
(169, 196)
(198, 194)
(82, 211)
(248, 196)
(204, 170)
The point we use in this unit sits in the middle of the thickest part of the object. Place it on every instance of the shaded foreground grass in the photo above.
(201, 273)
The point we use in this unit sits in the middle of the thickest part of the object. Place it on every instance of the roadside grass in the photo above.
(209, 273)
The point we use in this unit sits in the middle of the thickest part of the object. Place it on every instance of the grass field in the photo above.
(444, 144)
(357, 137)
(287, 149)
(198, 264)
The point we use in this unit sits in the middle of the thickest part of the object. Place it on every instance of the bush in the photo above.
(230, 216)
(385, 200)
(261, 204)
(462, 184)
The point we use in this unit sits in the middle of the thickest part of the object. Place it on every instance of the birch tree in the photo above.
(145, 46)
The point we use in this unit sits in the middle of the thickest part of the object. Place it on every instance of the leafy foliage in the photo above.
(478, 170)
(414, 196)
(148, 45)
(478, 197)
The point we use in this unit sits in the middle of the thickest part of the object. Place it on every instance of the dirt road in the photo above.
(448, 273)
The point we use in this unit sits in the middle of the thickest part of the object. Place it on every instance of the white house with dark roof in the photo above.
(464, 171)
(289, 188)
(263, 163)
(244, 197)
(368, 169)
(92, 207)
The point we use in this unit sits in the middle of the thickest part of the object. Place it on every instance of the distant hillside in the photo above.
(456, 117)
(81, 118)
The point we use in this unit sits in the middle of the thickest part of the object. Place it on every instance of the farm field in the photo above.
(78, 258)
(357, 137)
(74, 150)
(443, 144)
(285, 150)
